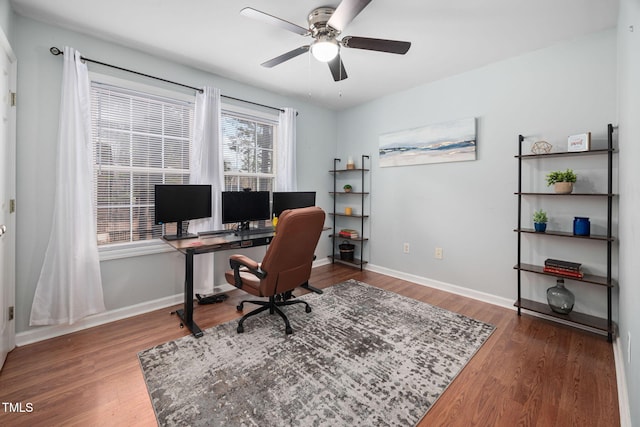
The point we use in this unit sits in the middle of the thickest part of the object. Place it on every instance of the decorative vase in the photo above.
(581, 226)
(560, 299)
(540, 227)
(563, 187)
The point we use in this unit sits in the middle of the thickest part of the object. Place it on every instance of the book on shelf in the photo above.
(565, 265)
(348, 233)
(563, 272)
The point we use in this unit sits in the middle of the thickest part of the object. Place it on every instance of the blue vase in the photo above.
(540, 227)
(581, 226)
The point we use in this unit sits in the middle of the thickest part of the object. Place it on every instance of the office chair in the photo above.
(286, 264)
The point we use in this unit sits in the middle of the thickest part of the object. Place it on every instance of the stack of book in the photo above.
(348, 233)
(563, 268)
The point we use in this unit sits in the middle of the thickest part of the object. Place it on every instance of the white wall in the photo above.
(468, 208)
(629, 104)
(126, 282)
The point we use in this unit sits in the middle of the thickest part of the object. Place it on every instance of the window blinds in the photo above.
(139, 140)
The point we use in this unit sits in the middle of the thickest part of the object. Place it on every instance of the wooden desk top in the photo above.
(221, 242)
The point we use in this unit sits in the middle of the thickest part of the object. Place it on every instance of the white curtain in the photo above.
(286, 152)
(70, 287)
(207, 168)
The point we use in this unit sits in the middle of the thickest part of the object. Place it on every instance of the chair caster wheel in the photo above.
(307, 309)
(240, 329)
(239, 307)
(288, 330)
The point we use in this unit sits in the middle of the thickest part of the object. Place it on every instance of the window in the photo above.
(248, 148)
(139, 140)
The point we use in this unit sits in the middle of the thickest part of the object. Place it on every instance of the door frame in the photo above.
(8, 281)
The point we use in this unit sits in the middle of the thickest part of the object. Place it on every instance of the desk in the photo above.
(208, 244)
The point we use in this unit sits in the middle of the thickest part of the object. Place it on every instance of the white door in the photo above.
(7, 198)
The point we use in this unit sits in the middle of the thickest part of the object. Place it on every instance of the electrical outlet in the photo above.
(629, 347)
(405, 248)
(438, 253)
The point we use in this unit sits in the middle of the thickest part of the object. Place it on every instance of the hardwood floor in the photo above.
(530, 372)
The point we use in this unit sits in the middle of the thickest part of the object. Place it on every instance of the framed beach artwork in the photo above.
(453, 141)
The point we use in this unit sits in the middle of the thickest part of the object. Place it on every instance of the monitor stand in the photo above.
(179, 234)
(171, 237)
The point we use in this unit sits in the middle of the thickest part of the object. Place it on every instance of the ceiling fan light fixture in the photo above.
(324, 49)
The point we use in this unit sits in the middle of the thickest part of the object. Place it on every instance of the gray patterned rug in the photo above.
(363, 356)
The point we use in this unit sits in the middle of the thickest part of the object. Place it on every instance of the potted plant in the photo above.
(540, 221)
(347, 188)
(562, 181)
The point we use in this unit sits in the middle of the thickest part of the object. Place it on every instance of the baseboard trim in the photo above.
(621, 380)
(46, 332)
(448, 287)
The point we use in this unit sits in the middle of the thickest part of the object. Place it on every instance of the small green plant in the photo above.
(560, 176)
(347, 187)
(540, 216)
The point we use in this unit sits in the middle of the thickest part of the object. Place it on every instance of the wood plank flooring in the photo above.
(531, 372)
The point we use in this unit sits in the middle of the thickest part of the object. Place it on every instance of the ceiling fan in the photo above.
(325, 25)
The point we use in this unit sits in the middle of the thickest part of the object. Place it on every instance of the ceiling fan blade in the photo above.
(285, 56)
(345, 12)
(273, 20)
(337, 69)
(380, 45)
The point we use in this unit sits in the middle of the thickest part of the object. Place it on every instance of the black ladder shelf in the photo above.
(337, 216)
(604, 325)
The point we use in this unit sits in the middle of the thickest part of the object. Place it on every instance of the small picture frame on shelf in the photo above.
(579, 142)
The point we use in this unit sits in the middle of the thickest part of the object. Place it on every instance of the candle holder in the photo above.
(350, 163)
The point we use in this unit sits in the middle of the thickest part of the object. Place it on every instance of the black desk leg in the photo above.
(307, 286)
(186, 315)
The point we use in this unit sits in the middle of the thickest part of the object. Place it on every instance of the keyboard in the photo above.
(253, 231)
(214, 233)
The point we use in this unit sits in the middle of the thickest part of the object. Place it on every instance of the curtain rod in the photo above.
(55, 51)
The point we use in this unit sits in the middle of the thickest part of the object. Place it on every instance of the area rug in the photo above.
(363, 356)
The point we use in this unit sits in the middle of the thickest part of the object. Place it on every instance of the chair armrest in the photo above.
(238, 261)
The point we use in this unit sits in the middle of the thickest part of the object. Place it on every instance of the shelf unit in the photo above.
(342, 217)
(605, 325)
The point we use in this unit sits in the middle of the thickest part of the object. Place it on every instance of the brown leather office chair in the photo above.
(285, 266)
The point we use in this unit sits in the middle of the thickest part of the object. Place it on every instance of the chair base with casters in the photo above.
(273, 306)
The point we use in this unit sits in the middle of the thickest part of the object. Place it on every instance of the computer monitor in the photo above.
(283, 200)
(178, 203)
(241, 207)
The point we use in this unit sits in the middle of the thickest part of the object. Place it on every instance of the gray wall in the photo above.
(126, 282)
(629, 104)
(468, 208)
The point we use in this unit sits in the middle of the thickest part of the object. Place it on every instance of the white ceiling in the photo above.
(448, 37)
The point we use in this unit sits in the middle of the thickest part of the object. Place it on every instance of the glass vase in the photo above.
(560, 299)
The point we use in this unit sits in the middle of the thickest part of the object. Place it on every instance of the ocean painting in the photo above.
(453, 141)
